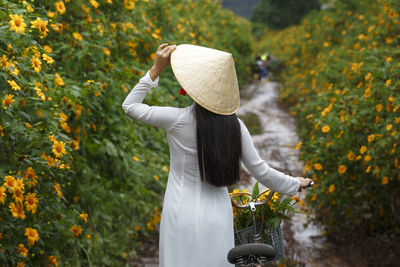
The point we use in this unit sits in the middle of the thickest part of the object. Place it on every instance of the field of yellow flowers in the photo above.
(81, 181)
(341, 80)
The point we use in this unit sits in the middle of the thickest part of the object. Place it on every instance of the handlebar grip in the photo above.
(310, 184)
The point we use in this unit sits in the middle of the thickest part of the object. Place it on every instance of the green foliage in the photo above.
(283, 13)
(342, 84)
(113, 170)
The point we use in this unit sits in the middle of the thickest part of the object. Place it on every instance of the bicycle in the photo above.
(255, 252)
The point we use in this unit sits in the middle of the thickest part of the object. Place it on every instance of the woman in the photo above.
(207, 142)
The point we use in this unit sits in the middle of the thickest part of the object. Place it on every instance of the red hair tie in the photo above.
(182, 92)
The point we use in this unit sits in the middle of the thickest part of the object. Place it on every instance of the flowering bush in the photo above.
(341, 81)
(270, 214)
(81, 181)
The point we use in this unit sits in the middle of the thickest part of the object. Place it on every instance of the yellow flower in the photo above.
(22, 250)
(135, 158)
(50, 161)
(385, 180)
(379, 107)
(48, 59)
(74, 144)
(36, 64)
(342, 169)
(59, 149)
(58, 189)
(308, 166)
(58, 80)
(29, 8)
(40, 94)
(17, 210)
(31, 202)
(65, 126)
(77, 36)
(388, 59)
(7, 101)
(17, 23)
(314, 198)
(39, 113)
(94, 3)
(367, 158)
(137, 227)
(388, 82)
(165, 168)
(2, 194)
(10, 182)
(371, 138)
(331, 188)
(155, 177)
(53, 260)
(57, 27)
(51, 14)
(299, 145)
(325, 129)
(106, 51)
(389, 127)
(76, 230)
(14, 85)
(84, 216)
(4, 62)
(318, 166)
(48, 49)
(18, 195)
(129, 4)
(60, 7)
(32, 236)
(41, 25)
(363, 149)
(368, 76)
(30, 174)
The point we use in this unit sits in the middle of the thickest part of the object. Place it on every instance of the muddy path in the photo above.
(276, 139)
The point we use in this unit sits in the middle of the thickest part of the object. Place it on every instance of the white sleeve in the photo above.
(262, 172)
(163, 117)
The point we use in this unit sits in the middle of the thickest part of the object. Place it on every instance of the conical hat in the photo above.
(208, 76)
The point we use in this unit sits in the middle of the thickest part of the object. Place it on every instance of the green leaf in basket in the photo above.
(256, 190)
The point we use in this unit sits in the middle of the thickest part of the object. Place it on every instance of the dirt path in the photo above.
(276, 143)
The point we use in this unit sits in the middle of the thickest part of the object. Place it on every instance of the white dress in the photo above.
(197, 223)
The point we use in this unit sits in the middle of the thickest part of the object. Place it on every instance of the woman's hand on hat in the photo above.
(304, 182)
(162, 59)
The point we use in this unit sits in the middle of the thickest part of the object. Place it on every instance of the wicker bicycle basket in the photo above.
(270, 236)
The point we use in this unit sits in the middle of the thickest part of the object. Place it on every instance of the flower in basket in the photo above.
(268, 215)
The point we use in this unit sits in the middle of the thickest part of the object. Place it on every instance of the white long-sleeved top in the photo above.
(197, 223)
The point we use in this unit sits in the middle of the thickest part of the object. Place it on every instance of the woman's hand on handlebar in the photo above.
(161, 60)
(304, 182)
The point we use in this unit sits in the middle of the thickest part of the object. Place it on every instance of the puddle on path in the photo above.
(277, 146)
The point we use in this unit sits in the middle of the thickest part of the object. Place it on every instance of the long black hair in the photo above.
(219, 146)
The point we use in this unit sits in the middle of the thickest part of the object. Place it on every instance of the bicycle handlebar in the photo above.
(253, 203)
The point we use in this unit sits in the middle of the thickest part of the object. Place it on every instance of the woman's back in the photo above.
(197, 221)
(196, 224)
